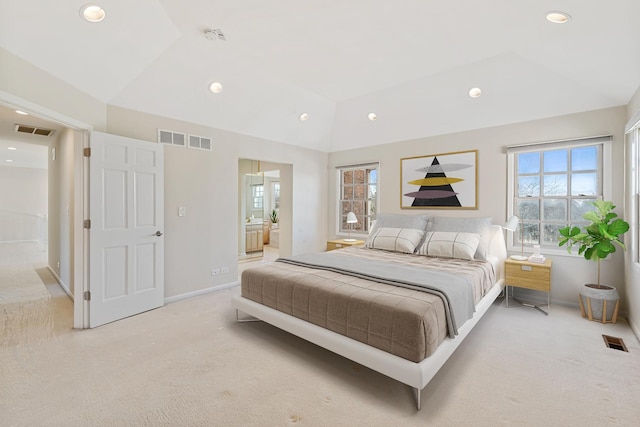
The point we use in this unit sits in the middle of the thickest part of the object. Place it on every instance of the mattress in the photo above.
(405, 322)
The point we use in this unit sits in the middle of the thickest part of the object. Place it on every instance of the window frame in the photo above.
(632, 144)
(257, 196)
(361, 231)
(275, 196)
(603, 172)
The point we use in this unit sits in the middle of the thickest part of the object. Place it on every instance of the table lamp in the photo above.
(351, 219)
(512, 225)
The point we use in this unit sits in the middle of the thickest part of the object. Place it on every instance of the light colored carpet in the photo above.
(190, 364)
(25, 310)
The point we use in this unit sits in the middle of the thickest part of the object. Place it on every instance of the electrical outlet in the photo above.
(215, 271)
(224, 270)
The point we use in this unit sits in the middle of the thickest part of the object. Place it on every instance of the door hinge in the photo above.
(87, 224)
(87, 295)
(87, 152)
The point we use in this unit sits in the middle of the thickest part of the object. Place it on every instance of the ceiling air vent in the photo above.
(33, 130)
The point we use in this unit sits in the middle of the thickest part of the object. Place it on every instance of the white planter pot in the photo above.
(599, 304)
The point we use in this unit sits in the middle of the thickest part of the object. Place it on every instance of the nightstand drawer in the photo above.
(528, 275)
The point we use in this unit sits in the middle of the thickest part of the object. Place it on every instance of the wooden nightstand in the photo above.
(340, 243)
(528, 275)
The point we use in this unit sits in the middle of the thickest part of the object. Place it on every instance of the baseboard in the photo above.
(202, 292)
(63, 285)
(634, 327)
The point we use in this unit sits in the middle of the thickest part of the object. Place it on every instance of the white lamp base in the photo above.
(349, 240)
(519, 257)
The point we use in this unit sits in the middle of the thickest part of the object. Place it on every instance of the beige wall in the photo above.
(206, 184)
(568, 272)
(203, 182)
(61, 208)
(633, 108)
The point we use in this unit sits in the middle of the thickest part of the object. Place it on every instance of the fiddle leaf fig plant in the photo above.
(599, 239)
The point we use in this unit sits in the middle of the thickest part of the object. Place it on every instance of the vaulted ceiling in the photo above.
(412, 62)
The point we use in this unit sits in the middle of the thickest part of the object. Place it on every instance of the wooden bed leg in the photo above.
(417, 396)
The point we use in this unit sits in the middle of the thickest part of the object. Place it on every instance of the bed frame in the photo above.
(415, 375)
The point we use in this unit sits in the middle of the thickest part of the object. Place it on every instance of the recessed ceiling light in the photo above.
(92, 13)
(24, 113)
(215, 87)
(372, 116)
(475, 92)
(9, 161)
(303, 117)
(12, 148)
(558, 17)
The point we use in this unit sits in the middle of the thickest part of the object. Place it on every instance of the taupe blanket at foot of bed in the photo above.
(404, 322)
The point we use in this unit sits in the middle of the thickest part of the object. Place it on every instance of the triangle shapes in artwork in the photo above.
(435, 189)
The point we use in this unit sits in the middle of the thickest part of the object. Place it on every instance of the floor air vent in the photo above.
(33, 130)
(614, 343)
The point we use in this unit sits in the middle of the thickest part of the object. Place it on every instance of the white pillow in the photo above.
(450, 244)
(479, 226)
(402, 240)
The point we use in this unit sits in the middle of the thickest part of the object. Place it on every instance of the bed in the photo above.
(375, 305)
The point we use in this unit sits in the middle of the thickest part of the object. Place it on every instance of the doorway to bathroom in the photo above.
(259, 211)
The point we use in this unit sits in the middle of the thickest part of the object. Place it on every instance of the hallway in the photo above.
(32, 303)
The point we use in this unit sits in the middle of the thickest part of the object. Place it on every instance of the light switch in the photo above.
(182, 211)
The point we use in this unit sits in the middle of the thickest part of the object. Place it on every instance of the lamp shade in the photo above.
(512, 223)
(351, 218)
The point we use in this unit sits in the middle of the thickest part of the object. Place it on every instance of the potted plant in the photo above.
(596, 242)
(273, 217)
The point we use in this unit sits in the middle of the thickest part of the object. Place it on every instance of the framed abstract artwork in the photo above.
(440, 181)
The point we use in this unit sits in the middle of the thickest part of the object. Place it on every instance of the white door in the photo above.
(126, 246)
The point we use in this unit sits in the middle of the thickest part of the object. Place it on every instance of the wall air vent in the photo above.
(33, 130)
(201, 142)
(172, 138)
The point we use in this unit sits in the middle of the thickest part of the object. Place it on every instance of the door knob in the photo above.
(158, 233)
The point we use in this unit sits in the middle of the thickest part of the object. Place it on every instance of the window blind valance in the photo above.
(564, 143)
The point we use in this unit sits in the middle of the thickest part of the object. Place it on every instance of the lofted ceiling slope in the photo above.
(412, 62)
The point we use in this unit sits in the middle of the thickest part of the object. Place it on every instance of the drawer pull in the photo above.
(526, 268)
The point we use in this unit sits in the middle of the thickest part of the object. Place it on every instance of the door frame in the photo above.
(80, 243)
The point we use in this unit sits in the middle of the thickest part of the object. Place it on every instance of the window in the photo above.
(275, 196)
(358, 193)
(551, 186)
(257, 193)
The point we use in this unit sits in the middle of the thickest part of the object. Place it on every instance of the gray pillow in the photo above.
(479, 226)
(417, 222)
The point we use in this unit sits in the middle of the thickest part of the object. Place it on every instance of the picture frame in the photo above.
(440, 181)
